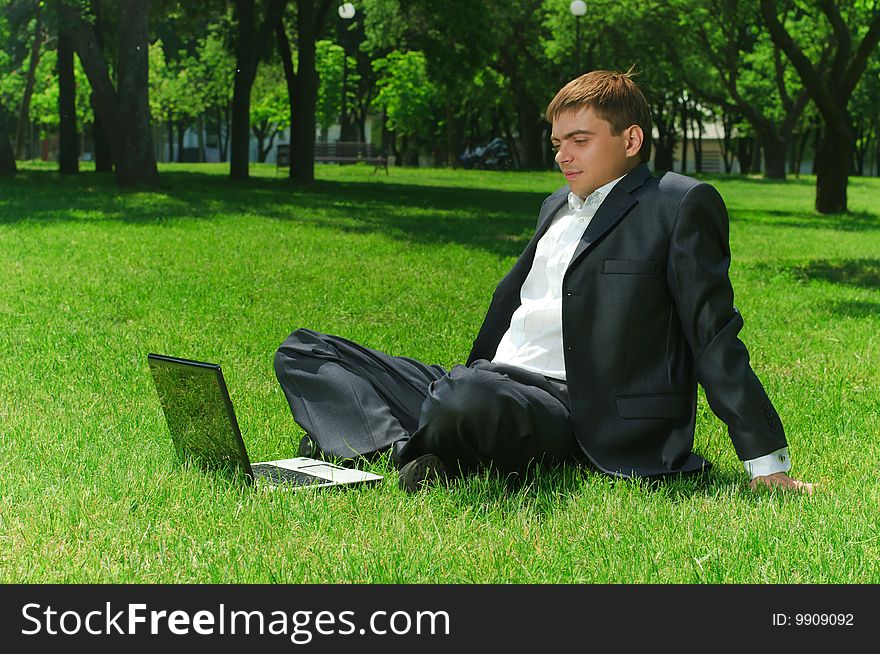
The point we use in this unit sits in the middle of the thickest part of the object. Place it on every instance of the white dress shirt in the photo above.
(534, 339)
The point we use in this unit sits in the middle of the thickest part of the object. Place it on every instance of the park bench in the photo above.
(336, 152)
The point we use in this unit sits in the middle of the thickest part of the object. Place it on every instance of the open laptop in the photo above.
(203, 428)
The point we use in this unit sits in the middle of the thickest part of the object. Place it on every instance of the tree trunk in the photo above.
(832, 170)
(289, 77)
(92, 58)
(755, 165)
(241, 93)
(136, 163)
(530, 127)
(302, 130)
(23, 121)
(101, 131)
(697, 131)
(248, 52)
(181, 132)
(7, 156)
(68, 143)
(684, 136)
(200, 135)
(775, 153)
(877, 151)
(101, 141)
(862, 138)
(664, 147)
(170, 125)
(124, 112)
(270, 145)
(514, 151)
(260, 132)
(799, 154)
(663, 157)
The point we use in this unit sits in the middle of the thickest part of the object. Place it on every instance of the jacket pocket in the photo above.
(666, 405)
(629, 267)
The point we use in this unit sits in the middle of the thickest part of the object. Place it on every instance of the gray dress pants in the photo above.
(355, 401)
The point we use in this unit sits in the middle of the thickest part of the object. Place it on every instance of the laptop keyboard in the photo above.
(278, 475)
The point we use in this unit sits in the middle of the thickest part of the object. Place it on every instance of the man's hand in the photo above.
(783, 481)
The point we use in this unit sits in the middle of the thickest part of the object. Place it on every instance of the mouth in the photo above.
(570, 175)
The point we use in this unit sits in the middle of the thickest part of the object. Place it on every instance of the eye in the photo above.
(581, 141)
(554, 147)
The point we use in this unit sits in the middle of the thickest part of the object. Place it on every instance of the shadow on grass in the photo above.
(864, 273)
(855, 309)
(858, 221)
(548, 491)
(495, 220)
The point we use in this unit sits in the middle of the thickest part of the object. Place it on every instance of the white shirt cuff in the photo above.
(777, 461)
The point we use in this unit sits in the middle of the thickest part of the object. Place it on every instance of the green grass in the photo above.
(94, 278)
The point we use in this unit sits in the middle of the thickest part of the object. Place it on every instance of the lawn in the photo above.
(95, 278)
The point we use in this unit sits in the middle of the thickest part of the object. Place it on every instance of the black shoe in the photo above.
(421, 472)
(309, 448)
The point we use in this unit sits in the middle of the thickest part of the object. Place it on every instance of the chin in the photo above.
(580, 190)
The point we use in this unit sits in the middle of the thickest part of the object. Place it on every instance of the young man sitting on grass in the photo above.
(593, 344)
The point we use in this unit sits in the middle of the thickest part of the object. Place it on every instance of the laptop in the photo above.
(203, 428)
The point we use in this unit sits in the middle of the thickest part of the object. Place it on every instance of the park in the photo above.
(107, 257)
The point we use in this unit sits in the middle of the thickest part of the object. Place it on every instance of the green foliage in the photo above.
(384, 25)
(178, 87)
(215, 69)
(407, 95)
(269, 101)
(44, 101)
(11, 74)
(329, 64)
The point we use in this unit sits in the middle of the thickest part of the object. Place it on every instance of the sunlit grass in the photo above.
(95, 278)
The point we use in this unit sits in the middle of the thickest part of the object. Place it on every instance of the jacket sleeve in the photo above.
(697, 275)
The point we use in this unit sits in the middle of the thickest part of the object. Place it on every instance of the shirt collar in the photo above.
(594, 199)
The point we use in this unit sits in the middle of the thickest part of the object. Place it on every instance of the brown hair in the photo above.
(614, 97)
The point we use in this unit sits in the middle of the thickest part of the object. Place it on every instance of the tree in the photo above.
(751, 77)
(251, 41)
(831, 85)
(270, 112)
(124, 110)
(527, 69)
(215, 73)
(7, 157)
(457, 40)
(302, 83)
(406, 94)
(68, 144)
(7, 93)
(36, 45)
(863, 107)
(331, 62)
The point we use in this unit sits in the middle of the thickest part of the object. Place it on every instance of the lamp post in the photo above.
(578, 8)
(346, 12)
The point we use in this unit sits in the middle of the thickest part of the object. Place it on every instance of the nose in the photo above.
(562, 154)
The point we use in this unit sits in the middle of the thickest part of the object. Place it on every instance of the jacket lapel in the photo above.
(545, 218)
(554, 204)
(613, 209)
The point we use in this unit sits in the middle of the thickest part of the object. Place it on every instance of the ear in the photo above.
(633, 138)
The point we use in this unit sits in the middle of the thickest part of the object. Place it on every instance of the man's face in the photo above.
(588, 154)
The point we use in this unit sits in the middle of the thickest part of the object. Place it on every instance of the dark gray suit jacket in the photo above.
(647, 312)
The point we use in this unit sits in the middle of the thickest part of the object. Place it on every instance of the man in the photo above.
(593, 344)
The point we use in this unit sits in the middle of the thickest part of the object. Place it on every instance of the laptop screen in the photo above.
(199, 414)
